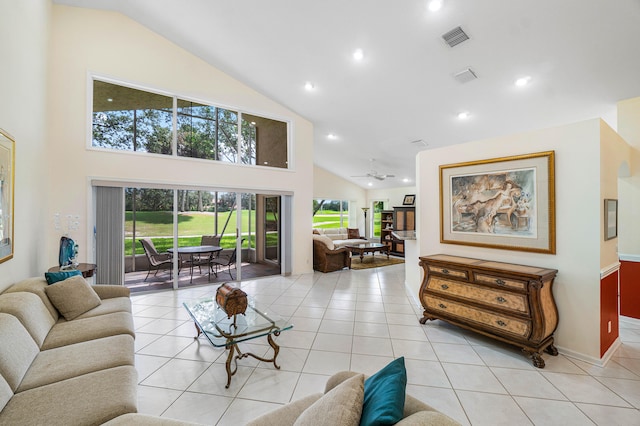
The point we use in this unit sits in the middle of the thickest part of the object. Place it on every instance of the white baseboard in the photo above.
(600, 362)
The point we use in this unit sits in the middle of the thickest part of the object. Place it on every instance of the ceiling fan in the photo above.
(374, 174)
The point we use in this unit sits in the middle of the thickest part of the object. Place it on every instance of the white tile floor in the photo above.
(361, 320)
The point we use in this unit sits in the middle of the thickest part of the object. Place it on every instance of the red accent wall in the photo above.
(608, 311)
(630, 289)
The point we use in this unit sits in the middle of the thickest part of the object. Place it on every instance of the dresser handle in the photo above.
(500, 282)
(501, 323)
(444, 286)
(445, 271)
(442, 306)
(501, 299)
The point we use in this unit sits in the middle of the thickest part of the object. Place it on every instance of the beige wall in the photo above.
(86, 42)
(24, 31)
(578, 221)
(615, 155)
(629, 187)
(392, 197)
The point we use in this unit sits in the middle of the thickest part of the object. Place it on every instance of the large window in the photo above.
(128, 119)
(330, 214)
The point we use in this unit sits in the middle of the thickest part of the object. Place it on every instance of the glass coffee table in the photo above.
(368, 248)
(222, 331)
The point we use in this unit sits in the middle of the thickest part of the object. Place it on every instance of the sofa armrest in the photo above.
(338, 378)
(287, 414)
(108, 291)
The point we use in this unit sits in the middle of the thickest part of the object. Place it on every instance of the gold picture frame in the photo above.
(7, 185)
(503, 203)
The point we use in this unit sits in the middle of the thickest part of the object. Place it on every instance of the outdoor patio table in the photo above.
(191, 251)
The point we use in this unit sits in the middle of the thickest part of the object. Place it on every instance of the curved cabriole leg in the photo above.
(551, 350)
(537, 360)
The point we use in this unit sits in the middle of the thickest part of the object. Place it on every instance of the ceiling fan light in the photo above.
(358, 55)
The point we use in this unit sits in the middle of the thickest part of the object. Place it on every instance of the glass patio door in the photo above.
(272, 229)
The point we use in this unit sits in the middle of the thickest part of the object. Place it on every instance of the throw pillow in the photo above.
(353, 233)
(72, 297)
(326, 241)
(342, 405)
(54, 277)
(384, 395)
(316, 232)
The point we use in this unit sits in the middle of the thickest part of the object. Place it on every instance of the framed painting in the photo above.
(610, 219)
(7, 176)
(503, 203)
(409, 200)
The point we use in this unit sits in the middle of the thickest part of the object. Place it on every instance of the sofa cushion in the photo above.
(90, 399)
(384, 394)
(287, 414)
(17, 350)
(72, 297)
(5, 392)
(69, 361)
(36, 286)
(325, 240)
(54, 277)
(340, 406)
(137, 419)
(108, 306)
(335, 233)
(80, 330)
(428, 418)
(31, 312)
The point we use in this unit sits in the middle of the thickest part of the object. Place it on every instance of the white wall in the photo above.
(326, 185)
(24, 31)
(88, 41)
(578, 221)
(392, 197)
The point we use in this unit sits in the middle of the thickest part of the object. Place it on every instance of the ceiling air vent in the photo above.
(465, 76)
(455, 36)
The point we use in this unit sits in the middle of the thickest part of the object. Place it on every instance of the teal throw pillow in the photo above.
(54, 277)
(384, 395)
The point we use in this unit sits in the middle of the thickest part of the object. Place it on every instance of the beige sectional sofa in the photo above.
(339, 236)
(59, 371)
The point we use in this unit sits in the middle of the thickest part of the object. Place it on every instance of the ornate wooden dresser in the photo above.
(508, 302)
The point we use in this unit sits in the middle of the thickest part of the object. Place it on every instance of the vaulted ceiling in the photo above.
(579, 57)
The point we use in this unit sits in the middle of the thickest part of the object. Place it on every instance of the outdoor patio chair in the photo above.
(205, 259)
(156, 260)
(228, 261)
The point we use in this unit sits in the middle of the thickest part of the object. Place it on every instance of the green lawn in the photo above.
(191, 226)
(329, 219)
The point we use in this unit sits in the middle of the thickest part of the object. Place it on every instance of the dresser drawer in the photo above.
(501, 281)
(449, 272)
(496, 322)
(515, 302)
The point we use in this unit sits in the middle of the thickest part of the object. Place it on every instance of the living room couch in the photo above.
(71, 369)
(341, 237)
(414, 413)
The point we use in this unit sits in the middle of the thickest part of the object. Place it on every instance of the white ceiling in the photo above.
(583, 56)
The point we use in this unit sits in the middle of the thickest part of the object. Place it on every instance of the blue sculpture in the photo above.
(68, 253)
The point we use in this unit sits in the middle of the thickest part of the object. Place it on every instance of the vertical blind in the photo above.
(110, 235)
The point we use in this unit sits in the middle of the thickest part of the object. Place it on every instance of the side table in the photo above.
(87, 269)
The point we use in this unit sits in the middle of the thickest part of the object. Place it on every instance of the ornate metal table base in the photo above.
(233, 348)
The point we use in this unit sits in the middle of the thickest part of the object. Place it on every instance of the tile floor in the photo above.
(361, 320)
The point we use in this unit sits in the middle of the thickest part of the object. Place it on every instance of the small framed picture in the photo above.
(409, 200)
(610, 219)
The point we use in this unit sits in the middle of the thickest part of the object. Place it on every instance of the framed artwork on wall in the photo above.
(610, 219)
(503, 203)
(409, 200)
(7, 177)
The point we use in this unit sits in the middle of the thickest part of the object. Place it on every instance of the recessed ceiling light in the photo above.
(370, 184)
(463, 115)
(358, 54)
(523, 81)
(332, 136)
(109, 99)
(435, 5)
(405, 180)
(309, 86)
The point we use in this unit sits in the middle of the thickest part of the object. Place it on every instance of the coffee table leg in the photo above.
(230, 373)
(198, 330)
(276, 349)
(361, 255)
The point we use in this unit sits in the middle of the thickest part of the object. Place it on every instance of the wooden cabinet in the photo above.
(404, 219)
(508, 302)
(386, 227)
